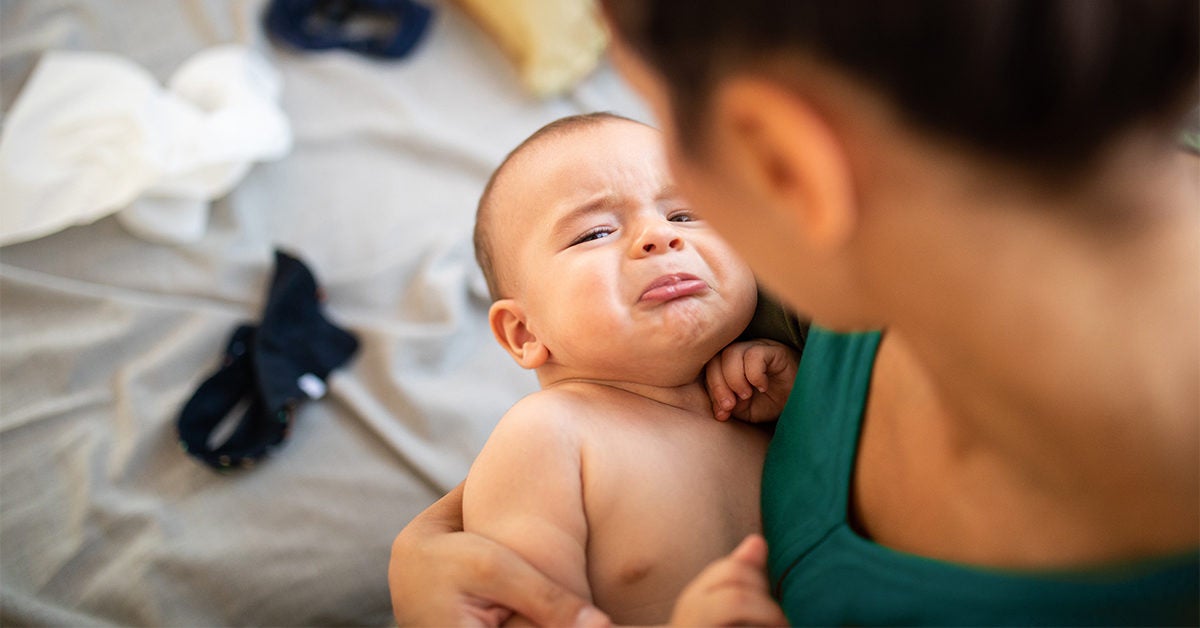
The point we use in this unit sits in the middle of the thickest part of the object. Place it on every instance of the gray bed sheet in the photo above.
(103, 336)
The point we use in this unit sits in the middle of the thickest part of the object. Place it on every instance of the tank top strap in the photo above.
(806, 479)
(824, 573)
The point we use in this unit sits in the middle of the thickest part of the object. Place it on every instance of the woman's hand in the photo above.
(731, 591)
(442, 576)
(751, 380)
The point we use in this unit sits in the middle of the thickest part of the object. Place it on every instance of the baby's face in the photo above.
(613, 269)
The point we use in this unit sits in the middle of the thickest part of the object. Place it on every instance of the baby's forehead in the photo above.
(572, 138)
(547, 170)
(585, 149)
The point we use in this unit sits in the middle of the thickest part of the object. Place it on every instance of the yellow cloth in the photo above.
(553, 43)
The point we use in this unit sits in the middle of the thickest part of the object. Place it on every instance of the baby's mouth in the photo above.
(672, 286)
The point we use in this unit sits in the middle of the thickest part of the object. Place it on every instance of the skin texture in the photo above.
(614, 480)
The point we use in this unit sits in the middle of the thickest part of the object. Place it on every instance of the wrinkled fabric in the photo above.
(93, 133)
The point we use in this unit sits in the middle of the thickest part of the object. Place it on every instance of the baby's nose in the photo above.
(673, 243)
(660, 239)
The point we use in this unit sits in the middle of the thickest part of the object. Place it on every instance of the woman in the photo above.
(997, 187)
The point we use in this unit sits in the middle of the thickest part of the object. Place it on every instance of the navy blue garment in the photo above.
(273, 366)
(378, 28)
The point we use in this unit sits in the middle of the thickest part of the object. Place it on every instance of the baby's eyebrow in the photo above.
(595, 205)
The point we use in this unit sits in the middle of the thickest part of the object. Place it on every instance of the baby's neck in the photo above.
(690, 397)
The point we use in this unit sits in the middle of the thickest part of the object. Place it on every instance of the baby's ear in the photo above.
(511, 328)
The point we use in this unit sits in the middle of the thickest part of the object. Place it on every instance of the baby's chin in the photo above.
(709, 341)
(683, 363)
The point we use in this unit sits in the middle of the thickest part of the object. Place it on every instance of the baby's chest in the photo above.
(651, 482)
(660, 508)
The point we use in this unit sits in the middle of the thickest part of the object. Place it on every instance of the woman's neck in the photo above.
(1070, 347)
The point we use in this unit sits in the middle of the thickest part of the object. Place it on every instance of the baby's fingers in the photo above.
(752, 551)
(749, 608)
(744, 567)
(763, 611)
(728, 593)
(756, 364)
(723, 399)
(733, 366)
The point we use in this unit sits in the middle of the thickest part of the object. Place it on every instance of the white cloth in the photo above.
(93, 134)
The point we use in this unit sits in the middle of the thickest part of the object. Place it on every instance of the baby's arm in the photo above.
(751, 380)
(524, 491)
(731, 591)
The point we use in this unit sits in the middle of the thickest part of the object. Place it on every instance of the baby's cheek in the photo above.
(588, 283)
(742, 292)
(737, 280)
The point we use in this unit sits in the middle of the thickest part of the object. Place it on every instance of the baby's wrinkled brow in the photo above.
(595, 205)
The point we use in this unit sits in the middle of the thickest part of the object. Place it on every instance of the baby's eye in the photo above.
(593, 234)
(683, 216)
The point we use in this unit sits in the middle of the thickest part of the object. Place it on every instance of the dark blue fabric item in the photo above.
(270, 366)
(378, 28)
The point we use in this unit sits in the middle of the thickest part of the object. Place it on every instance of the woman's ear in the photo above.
(789, 156)
(511, 329)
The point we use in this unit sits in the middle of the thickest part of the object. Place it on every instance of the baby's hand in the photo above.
(751, 380)
(731, 591)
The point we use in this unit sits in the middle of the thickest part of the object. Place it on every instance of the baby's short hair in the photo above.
(485, 252)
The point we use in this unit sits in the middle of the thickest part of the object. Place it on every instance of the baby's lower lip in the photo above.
(683, 288)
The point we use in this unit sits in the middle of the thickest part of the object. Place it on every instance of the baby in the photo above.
(614, 479)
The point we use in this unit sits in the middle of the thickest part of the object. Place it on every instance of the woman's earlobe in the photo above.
(790, 158)
(511, 328)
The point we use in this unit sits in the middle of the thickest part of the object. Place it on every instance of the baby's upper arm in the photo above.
(525, 491)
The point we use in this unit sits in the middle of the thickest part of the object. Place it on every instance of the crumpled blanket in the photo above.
(93, 134)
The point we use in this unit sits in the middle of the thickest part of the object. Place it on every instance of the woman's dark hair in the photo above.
(1041, 82)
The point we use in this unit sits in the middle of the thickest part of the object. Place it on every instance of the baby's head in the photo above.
(597, 268)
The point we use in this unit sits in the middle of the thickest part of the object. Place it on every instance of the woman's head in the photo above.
(1042, 83)
(847, 148)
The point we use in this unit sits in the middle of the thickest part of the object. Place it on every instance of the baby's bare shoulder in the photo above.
(570, 411)
(566, 401)
(547, 404)
(546, 413)
(535, 436)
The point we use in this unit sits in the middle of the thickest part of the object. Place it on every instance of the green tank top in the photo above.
(825, 573)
